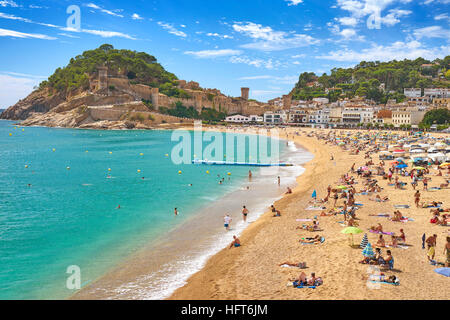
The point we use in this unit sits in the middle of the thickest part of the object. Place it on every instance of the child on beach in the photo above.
(277, 212)
(236, 243)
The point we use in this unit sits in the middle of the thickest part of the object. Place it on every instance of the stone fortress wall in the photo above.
(110, 85)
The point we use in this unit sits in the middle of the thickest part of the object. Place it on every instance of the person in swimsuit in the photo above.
(244, 213)
(277, 212)
(236, 243)
(289, 190)
(447, 250)
(175, 211)
(226, 222)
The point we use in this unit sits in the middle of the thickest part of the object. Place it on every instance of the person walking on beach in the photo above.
(244, 213)
(227, 221)
(249, 175)
(431, 242)
(279, 181)
(425, 184)
(447, 252)
(417, 198)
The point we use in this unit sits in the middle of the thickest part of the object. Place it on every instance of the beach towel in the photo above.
(378, 232)
(383, 215)
(395, 283)
(315, 208)
(303, 220)
(401, 206)
(398, 246)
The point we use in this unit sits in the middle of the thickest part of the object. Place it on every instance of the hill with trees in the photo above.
(138, 67)
(377, 81)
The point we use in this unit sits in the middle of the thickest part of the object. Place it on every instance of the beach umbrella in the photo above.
(400, 159)
(351, 231)
(419, 168)
(368, 251)
(401, 166)
(445, 164)
(443, 271)
(341, 187)
(364, 241)
(314, 194)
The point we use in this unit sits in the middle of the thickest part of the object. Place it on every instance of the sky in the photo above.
(260, 44)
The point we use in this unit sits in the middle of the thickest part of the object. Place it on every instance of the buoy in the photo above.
(87, 151)
(110, 152)
(68, 168)
(179, 172)
(141, 154)
(207, 171)
(229, 173)
(139, 170)
(109, 169)
(10, 134)
(23, 129)
(53, 149)
(167, 154)
(26, 166)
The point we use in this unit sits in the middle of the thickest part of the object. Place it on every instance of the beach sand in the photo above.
(252, 271)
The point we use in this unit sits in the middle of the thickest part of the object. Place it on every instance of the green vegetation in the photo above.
(366, 79)
(438, 116)
(139, 67)
(190, 112)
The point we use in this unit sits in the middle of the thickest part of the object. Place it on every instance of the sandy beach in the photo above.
(252, 271)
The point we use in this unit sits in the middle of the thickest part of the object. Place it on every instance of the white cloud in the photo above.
(263, 77)
(6, 3)
(398, 50)
(360, 9)
(17, 34)
(213, 53)
(135, 16)
(297, 56)
(104, 34)
(172, 30)
(443, 16)
(255, 62)
(111, 13)
(16, 86)
(294, 2)
(267, 39)
(432, 32)
(348, 21)
(217, 35)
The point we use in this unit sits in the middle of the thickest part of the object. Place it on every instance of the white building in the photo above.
(437, 93)
(237, 118)
(321, 100)
(355, 115)
(277, 117)
(412, 92)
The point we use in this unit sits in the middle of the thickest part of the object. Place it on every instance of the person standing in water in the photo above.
(244, 213)
(175, 211)
(279, 181)
(227, 221)
(249, 175)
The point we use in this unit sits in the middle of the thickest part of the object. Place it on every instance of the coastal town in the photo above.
(352, 113)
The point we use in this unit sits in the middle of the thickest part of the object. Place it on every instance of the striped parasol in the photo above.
(364, 241)
(368, 251)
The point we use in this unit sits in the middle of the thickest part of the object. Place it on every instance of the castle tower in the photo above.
(244, 93)
(102, 77)
(155, 97)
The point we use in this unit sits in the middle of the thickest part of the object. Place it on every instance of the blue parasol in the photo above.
(443, 271)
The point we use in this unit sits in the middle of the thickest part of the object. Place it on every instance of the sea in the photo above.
(93, 210)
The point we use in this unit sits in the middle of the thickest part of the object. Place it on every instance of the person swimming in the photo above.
(175, 211)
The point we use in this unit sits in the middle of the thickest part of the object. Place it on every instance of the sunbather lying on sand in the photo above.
(303, 280)
(317, 239)
(378, 228)
(381, 278)
(431, 204)
(301, 265)
(313, 227)
(379, 199)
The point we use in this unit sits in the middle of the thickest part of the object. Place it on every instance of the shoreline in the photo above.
(117, 282)
(198, 281)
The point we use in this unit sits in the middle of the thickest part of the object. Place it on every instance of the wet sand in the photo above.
(252, 271)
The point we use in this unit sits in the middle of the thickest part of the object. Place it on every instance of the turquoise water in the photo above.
(52, 217)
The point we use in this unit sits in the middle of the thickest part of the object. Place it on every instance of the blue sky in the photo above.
(262, 44)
